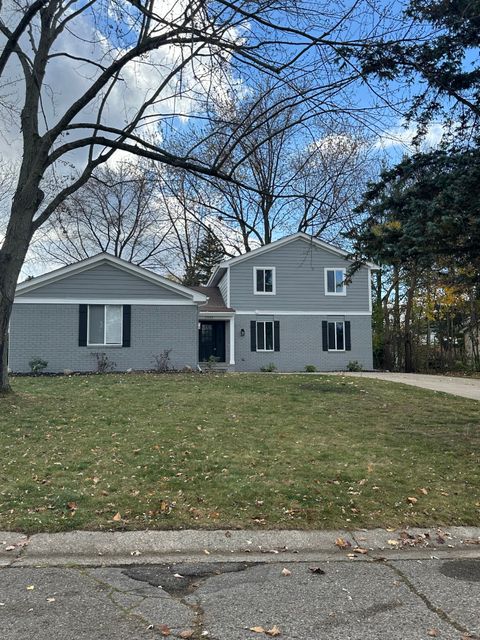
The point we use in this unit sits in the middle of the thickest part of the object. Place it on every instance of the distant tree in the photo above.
(115, 212)
(209, 253)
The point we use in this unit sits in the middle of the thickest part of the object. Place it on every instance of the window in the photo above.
(264, 280)
(265, 335)
(104, 324)
(335, 282)
(336, 336)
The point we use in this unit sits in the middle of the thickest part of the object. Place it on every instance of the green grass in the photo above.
(231, 451)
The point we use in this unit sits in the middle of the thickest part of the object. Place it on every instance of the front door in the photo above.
(212, 340)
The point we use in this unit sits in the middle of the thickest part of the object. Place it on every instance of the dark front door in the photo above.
(212, 340)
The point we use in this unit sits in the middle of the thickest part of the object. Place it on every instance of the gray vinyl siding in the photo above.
(102, 282)
(300, 281)
(51, 332)
(301, 344)
(223, 286)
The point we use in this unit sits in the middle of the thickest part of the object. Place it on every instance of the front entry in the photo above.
(211, 340)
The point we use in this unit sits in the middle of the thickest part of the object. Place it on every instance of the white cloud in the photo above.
(402, 137)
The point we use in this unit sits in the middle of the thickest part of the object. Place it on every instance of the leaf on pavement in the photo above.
(361, 550)
(316, 570)
(274, 631)
(257, 629)
(286, 572)
(188, 633)
(165, 630)
(433, 633)
(341, 543)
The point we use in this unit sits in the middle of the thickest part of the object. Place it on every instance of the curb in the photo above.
(91, 548)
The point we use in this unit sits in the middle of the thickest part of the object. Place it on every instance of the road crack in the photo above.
(429, 604)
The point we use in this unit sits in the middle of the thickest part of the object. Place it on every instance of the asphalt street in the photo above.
(359, 598)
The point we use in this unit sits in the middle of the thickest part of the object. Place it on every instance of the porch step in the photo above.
(218, 367)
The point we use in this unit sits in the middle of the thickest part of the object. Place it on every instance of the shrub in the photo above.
(354, 365)
(310, 368)
(162, 361)
(104, 363)
(37, 364)
(268, 368)
(211, 362)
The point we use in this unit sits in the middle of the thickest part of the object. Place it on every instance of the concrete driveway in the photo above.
(464, 387)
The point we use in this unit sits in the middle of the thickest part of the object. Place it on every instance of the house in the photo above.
(286, 303)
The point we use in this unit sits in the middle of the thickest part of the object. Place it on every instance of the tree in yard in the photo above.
(421, 221)
(440, 60)
(133, 71)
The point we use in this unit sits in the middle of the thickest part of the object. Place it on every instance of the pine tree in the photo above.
(209, 253)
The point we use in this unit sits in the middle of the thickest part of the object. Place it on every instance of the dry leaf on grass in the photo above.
(117, 517)
(412, 500)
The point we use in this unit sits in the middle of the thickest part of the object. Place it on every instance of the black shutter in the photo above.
(253, 335)
(127, 321)
(276, 335)
(348, 339)
(82, 325)
(324, 335)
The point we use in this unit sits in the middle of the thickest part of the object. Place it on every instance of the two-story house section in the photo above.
(289, 304)
(285, 304)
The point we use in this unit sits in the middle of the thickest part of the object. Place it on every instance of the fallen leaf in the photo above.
(412, 499)
(165, 630)
(206, 552)
(286, 572)
(360, 550)
(257, 629)
(424, 491)
(30, 587)
(11, 547)
(394, 543)
(117, 517)
(50, 599)
(433, 633)
(177, 575)
(274, 631)
(316, 570)
(188, 633)
(341, 543)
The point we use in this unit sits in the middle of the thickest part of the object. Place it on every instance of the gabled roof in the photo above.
(215, 303)
(220, 268)
(106, 258)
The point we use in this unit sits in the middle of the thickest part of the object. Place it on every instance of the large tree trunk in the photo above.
(12, 257)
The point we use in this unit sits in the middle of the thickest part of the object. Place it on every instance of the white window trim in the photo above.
(105, 344)
(335, 322)
(335, 293)
(264, 322)
(274, 281)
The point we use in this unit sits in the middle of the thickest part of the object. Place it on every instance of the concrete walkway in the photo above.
(464, 387)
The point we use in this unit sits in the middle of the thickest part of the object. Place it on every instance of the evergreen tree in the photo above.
(209, 253)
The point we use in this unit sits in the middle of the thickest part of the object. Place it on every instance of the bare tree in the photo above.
(116, 212)
(132, 70)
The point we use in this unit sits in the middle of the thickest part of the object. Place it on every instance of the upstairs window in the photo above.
(335, 282)
(104, 324)
(264, 280)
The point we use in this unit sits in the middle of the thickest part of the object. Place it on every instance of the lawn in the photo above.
(225, 451)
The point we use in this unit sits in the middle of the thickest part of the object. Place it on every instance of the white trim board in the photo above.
(106, 300)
